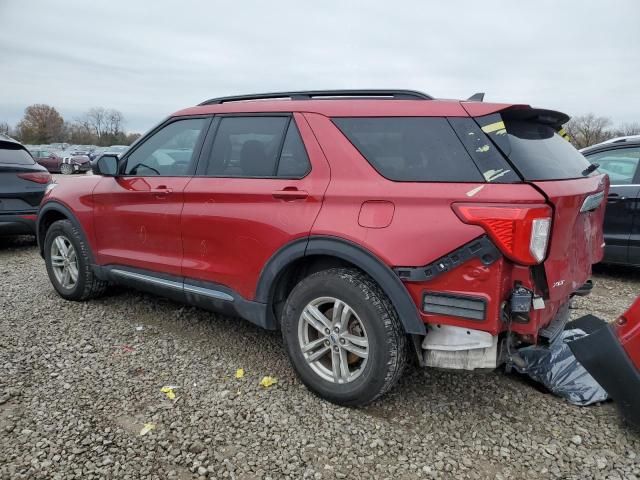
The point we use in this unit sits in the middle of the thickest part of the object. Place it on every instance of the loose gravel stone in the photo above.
(78, 382)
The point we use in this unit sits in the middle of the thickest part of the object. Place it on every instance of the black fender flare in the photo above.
(53, 205)
(343, 249)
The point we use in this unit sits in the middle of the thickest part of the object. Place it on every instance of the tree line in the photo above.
(589, 129)
(43, 124)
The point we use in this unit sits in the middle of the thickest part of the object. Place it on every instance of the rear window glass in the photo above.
(15, 155)
(536, 150)
(411, 149)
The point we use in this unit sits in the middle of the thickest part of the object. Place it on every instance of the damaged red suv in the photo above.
(368, 226)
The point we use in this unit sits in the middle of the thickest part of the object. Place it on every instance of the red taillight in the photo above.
(521, 232)
(38, 177)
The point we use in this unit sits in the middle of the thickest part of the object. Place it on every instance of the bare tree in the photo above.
(5, 128)
(106, 125)
(41, 124)
(626, 129)
(588, 129)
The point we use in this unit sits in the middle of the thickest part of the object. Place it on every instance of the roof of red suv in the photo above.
(347, 103)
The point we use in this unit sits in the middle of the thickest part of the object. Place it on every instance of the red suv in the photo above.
(369, 226)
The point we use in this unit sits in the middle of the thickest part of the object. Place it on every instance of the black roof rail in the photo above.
(311, 94)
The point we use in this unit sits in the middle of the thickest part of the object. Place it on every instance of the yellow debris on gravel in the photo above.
(268, 381)
(147, 428)
(168, 391)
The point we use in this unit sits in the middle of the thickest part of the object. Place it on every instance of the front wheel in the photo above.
(66, 255)
(66, 169)
(343, 336)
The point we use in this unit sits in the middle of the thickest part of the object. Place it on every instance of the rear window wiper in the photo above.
(590, 168)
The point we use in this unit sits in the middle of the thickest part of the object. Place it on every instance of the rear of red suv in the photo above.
(367, 226)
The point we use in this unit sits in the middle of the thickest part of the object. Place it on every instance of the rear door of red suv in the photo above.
(529, 140)
(259, 185)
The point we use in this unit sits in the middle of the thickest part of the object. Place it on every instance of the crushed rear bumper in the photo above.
(604, 357)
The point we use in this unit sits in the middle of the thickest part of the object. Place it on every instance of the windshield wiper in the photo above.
(590, 168)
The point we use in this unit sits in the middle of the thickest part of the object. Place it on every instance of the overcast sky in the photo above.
(150, 58)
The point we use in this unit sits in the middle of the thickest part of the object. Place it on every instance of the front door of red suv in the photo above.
(137, 214)
(258, 187)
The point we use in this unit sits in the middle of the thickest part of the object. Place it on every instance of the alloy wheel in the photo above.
(333, 340)
(64, 262)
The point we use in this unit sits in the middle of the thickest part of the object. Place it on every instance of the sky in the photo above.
(148, 59)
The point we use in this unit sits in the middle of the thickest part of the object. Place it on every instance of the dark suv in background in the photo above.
(22, 186)
(620, 159)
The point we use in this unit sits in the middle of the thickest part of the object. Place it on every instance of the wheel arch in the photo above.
(51, 212)
(322, 252)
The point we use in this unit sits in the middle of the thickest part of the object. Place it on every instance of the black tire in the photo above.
(387, 351)
(88, 285)
(66, 169)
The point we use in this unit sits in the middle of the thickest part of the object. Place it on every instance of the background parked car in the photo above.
(620, 160)
(62, 162)
(117, 149)
(22, 186)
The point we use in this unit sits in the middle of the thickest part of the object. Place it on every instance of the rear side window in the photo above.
(536, 150)
(15, 155)
(411, 149)
(621, 165)
(258, 147)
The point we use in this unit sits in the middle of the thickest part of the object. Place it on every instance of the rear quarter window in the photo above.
(411, 149)
(15, 154)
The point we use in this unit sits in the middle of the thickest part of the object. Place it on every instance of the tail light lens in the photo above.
(38, 177)
(521, 232)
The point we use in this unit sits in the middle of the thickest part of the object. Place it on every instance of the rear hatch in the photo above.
(22, 180)
(531, 140)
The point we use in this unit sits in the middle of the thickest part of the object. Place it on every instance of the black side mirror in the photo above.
(105, 165)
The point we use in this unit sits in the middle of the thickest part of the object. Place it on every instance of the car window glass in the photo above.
(620, 165)
(411, 149)
(294, 162)
(168, 152)
(14, 155)
(536, 150)
(247, 147)
(488, 158)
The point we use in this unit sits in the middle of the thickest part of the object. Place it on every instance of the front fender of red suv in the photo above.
(69, 199)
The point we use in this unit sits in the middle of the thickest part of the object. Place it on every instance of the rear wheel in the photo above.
(66, 169)
(66, 256)
(343, 336)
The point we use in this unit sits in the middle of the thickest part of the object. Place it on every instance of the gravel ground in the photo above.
(78, 382)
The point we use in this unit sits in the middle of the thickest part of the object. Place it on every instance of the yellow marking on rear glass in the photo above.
(493, 127)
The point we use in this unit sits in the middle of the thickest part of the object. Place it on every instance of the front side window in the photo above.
(169, 152)
(411, 149)
(621, 165)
